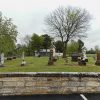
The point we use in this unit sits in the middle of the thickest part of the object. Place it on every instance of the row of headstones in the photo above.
(81, 61)
(52, 58)
(2, 58)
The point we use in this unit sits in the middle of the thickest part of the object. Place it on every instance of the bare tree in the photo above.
(68, 23)
(26, 39)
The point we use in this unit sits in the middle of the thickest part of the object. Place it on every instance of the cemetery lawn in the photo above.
(36, 64)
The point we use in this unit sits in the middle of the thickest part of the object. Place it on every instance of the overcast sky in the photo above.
(29, 15)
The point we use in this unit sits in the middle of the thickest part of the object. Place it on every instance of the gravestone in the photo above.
(52, 58)
(51, 62)
(83, 59)
(84, 54)
(98, 59)
(2, 60)
(74, 57)
(23, 59)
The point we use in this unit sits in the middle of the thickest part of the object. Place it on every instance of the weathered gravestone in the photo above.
(52, 58)
(2, 60)
(51, 62)
(83, 57)
(98, 59)
(74, 57)
(23, 59)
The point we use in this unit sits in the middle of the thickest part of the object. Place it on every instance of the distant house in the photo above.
(42, 52)
(58, 54)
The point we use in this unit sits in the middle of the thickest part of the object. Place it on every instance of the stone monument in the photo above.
(98, 59)
(2, 60)
(84, 53)
(52, 54)
(23, 59)
(83, 59)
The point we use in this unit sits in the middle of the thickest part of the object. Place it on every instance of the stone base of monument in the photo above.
(50, 62)
(23, 63)
(54, 59)
(97, 62)
(82, 62)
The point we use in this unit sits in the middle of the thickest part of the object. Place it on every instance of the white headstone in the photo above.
(2, 59)
(23, 59)
(84, 53)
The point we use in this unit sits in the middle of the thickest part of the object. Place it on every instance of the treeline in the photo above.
(33, 43)
(36, 42)
(93, 50)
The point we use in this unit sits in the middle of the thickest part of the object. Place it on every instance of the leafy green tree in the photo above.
(8, 34)
(72, 47)
(46, 41)
(91, 51)
(36, 42)
(59, 46)
(81, 44)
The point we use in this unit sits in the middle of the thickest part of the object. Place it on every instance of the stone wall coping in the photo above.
(49, 74)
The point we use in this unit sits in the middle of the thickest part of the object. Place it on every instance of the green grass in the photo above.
(35, 64)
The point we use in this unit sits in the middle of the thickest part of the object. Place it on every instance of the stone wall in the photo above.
(48, 83)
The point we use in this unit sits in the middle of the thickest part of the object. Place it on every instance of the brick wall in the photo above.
(48, 83)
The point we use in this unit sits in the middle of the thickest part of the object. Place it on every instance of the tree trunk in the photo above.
(64, 53)
(64, 50)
